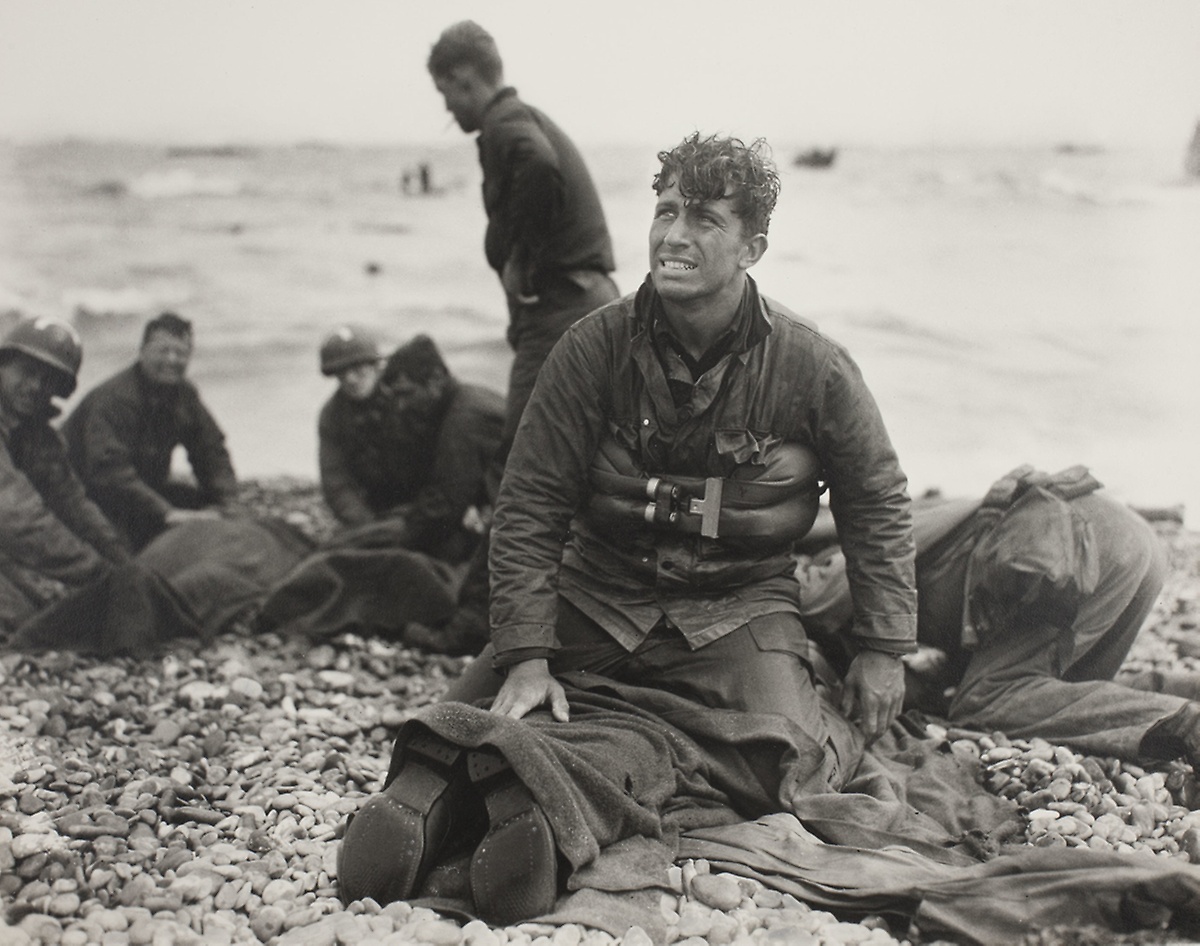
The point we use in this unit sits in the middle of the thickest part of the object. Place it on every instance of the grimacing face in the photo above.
(164, 357)
(698, 248)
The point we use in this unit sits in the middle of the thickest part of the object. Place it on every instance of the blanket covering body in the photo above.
(909, 834)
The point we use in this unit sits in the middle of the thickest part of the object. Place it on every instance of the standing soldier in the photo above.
(546, 239)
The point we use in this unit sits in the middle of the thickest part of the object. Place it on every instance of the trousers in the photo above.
(761, 667)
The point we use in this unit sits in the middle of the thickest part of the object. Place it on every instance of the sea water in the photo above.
(1006, 306)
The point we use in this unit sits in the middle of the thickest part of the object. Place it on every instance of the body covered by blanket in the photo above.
(362, 580)
(639, 777)
(195, 578)
(192, 580)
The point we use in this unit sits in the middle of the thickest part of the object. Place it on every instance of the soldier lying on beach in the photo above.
(402, 442)
(122, 435)
(51, 535)
(1030, 599)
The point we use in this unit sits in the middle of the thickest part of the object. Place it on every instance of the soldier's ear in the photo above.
(753, 250)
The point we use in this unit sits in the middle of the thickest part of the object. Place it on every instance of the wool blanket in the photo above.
(193, 580)
(362, 580)
(639, 778)
(196, 579)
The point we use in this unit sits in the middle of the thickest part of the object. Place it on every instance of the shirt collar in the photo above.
(748, 328)
(508, 92)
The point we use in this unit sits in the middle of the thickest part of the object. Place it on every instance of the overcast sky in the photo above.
(869, 72)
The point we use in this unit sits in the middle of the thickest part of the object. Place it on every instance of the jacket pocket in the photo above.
(780, 632)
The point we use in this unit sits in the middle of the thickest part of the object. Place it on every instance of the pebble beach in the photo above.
(197, 795)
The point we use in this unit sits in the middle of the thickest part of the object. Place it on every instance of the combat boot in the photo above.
(394, 840)
(514, 871)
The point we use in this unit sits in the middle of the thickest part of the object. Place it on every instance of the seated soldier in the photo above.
(403, 442)
(1031, 599)
(122, 434)
(51, 535)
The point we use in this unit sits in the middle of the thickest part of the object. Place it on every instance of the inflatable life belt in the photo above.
(776, 507)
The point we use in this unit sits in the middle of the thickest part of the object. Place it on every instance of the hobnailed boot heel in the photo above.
(393, 841)
(514, 871)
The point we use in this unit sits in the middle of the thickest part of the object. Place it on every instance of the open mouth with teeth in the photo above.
(678, 265)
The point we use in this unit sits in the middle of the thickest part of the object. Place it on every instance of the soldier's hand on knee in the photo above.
(529, 685)
(873, 692)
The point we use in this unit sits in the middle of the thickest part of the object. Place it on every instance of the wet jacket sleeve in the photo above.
(544, 481)
(65, 495)
(204, 442)
(34, 534)
(466, 443)
(342, 491)
(869, 500)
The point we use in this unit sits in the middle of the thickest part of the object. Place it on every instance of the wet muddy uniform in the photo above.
(50, 530)
(1058, 590)
(713, 618)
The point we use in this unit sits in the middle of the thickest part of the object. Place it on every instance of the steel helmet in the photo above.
(346, 347)
(52, 342)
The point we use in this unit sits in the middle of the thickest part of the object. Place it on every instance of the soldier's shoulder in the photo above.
(787, 316)
(801, 330)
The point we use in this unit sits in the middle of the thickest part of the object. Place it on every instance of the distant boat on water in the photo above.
(1070, 147)
(816, 158)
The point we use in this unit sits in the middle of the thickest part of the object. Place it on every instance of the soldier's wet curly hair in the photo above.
(710, 168)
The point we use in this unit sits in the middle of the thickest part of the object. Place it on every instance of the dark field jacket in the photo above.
(783, 383)
(539, 197)
(121, 437)
(48, 524)
(374, 460)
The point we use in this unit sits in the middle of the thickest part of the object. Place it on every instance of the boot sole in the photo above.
(392, 843)
(514, 871)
